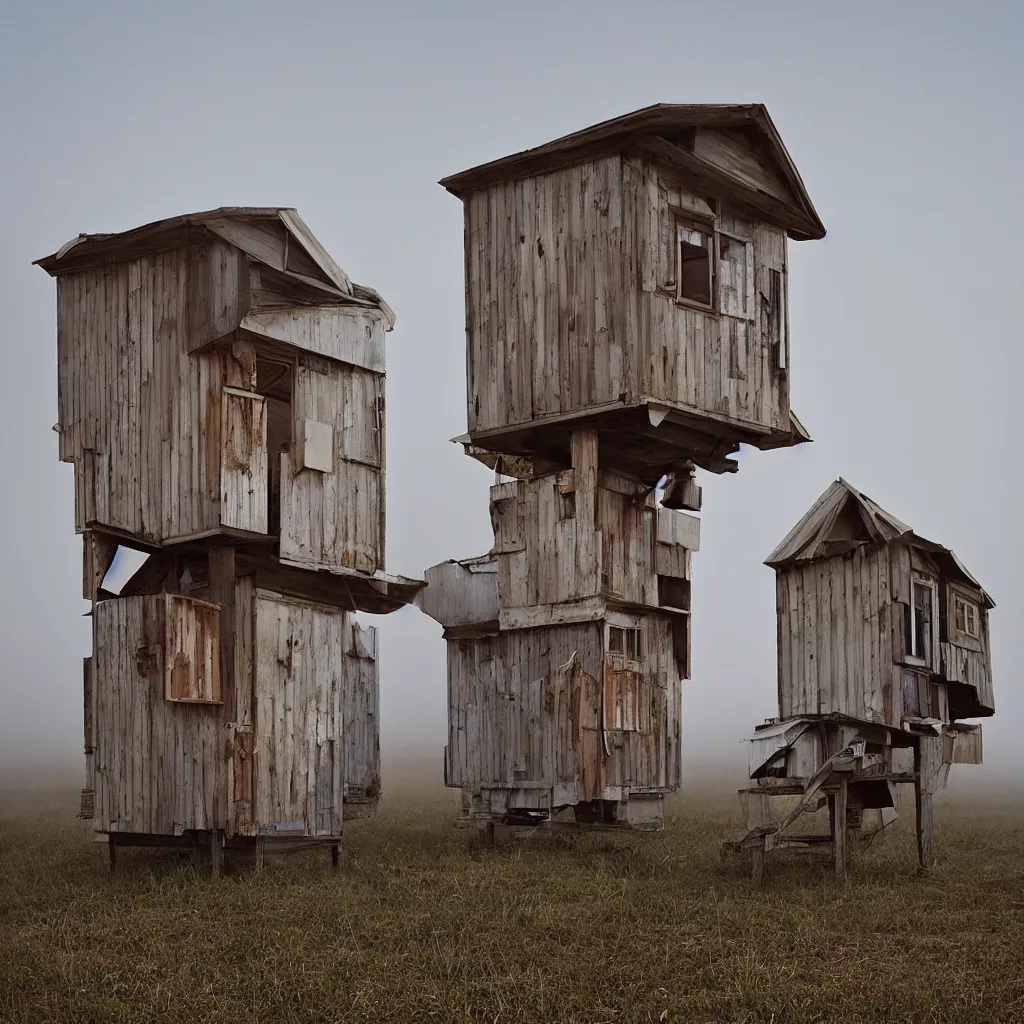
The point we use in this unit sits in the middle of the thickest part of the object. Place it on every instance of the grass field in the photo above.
(421, 924)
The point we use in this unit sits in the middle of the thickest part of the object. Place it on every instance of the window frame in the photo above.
(962, 637)
(634, 656)
(683, 221)
(926, 659)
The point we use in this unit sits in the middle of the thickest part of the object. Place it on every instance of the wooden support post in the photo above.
(757, 873)
(335, 855)
(837, 806)
(221, 566)
(111, 853)
(216, 852)
(486, 833)
(925, 755)
(260, 853)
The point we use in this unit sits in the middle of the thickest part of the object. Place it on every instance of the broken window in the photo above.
(966, 616)
(922, 617)
(694, 262)
(625, 641)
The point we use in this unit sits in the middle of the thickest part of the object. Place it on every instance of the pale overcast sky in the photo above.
(903, 118)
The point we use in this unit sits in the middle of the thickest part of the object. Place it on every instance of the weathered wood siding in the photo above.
(239, 766)
(132, 400)
(169, 439)
(299, 757)
(335, 519)
(836, 638)
(343, 333)
(361, 714)
(557, 540)
(724, 365)
(547, 312)
(570, 303)
(157, 763)
(531, 714)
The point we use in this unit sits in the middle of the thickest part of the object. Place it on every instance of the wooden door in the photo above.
(299, 760)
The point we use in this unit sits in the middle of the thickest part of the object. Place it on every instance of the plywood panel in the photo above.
(192, 650)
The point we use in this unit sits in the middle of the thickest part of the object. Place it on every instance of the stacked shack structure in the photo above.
(221, 397)
(883, 655)
(627, 323)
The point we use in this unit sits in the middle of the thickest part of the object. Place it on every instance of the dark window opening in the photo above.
(921, 619)
(567, 505)
(695, 263)
(674, 592)
(274, 381)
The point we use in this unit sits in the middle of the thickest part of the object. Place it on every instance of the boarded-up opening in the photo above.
(192, 650)
(244, 463)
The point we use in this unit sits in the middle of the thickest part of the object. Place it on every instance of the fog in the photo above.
(904, 120)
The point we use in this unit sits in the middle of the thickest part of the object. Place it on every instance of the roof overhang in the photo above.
(659, 131)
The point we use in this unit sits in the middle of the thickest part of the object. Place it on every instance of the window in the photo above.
(625, 642)
(966, 616)
(694, 262)
(922, 608)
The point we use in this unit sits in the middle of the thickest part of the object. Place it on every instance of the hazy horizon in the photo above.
(906, 347)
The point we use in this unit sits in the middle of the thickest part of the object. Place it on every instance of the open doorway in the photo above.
(274, 378)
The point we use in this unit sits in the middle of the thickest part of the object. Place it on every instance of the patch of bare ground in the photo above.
(420, 923)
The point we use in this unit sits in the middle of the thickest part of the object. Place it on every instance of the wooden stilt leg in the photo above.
(757, 875)
(335, 855)
(923, 771)
(111, 853)
(216, 852)
(839, 830)
(260, 853)
(486, 832)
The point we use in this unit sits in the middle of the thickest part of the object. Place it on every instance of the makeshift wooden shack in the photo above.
(883, 654)
(567, 646)
(626, 311)
(633, 277)
(221, 397)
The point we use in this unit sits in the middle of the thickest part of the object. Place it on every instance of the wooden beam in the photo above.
(924, 756)
(837, 807)
(221, 564)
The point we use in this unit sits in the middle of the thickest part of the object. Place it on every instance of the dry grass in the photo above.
(422, 924)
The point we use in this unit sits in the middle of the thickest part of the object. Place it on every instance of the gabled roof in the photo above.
(825, 531)
(666, 132)
(264, 233)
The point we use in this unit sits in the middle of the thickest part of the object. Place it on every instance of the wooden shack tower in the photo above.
(883, 654)
(626, 311)
(221, 397)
